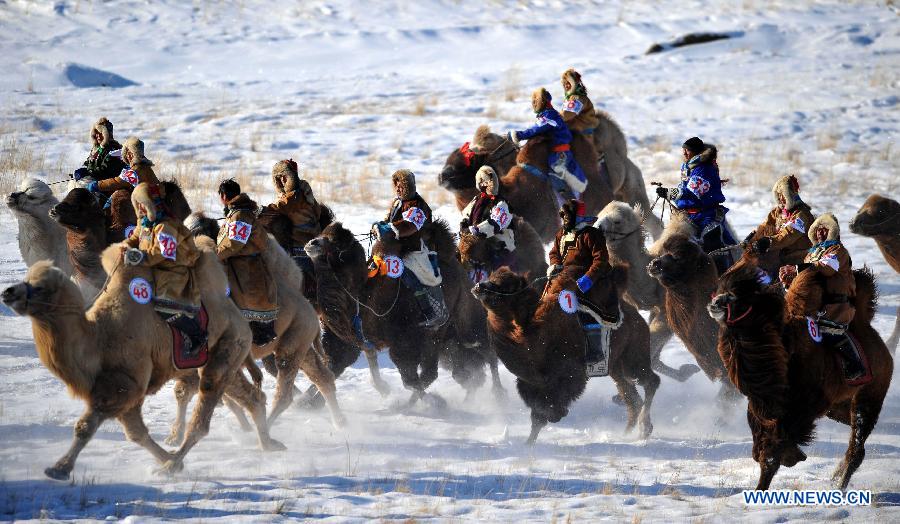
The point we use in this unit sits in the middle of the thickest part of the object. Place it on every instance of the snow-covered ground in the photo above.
(354, 91)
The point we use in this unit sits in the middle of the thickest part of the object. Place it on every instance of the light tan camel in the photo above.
(40, 238)
(119, 351)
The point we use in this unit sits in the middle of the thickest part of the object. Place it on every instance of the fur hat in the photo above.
(148, 195)
(288, 169)
(789, 188)
(694, 145)
(486, 176)
(105, 128)
(135, 145)
(828, 221)
(478, 140)
(574, 78)
(573, 206)
(405, 179)
(540, 98)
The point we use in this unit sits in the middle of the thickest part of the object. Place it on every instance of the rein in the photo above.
(361, 303)
(530, 284)
(730, 321)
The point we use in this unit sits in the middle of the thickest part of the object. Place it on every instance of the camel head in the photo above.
(741, 299)
(201, 225)
(462, 164)
(681, 263)
(78, 211)
(45, 290)
(504, 290)
(338, 248)
(618, 221)
(473, 251)
(174, 199)
(33, 198)
(877, 216)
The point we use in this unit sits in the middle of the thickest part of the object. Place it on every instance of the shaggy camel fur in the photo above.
(86, 236)
(625, 177)
(689, 277)
(485, 149)
(298, 346)
(879, 219)
(533, 198)
(623, 227)
(789, 380)
(39, 237)
(474, 250)
(388, 313)
(544, 347)
(105, 362)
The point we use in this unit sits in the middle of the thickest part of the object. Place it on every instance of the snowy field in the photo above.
(355, 91)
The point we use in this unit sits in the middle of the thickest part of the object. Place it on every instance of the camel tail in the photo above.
(320, 351)
(255, 374)
(866, 299)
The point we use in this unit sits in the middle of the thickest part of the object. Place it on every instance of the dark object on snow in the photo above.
(689, 39)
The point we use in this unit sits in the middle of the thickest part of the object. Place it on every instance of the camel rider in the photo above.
(105, 159)
(830, 258)
(239, 246)
(408, 217)
(700, 196)
(579, 243)
(565, 171)
(577, 110)
(165, 245)
(488, 215)
(296, 202)
(137, 169)
(782, 239)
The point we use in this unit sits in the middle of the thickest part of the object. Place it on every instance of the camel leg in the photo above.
(650, 383)
(537, 424)
(728, 395)
(251, 398)
(238, 412)
(628, 393)
(323, 380)
(490, 356)
(185, 389)
(84, 430)
(895, 336)
(861, 426)
(380, 385)
(660, 333)
(767, 449)
(136, 431)
(288, 367)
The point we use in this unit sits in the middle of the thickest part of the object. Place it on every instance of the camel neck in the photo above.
(63, 340)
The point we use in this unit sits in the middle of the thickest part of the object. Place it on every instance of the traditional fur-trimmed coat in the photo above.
(100, 165)
(304, 215)
(491, 216)
(240, 245)
(408, 218)
(129, 177)
(169, 250)
(788, 232)
(831, 259)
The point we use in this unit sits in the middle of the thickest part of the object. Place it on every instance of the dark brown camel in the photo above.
(485, 149)
(689, 277)
(387, 311)
(475, 251)
(86, 237)
(789, 380)
(879, 219)
(544, 347)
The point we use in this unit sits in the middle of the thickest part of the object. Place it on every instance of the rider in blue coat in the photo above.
(700, 196)
(562, 163)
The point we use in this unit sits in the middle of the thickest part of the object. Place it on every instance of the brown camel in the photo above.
(110, 365)
(298, 346)
(689, 277)
(474, 251)
(485, 149)
(40, 238)
(544, 347)
(790, 380)
(86, 237)
(879, 219)
(386, 311)
(623, 227)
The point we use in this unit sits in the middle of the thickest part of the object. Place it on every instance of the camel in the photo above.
(39, 237)
(790, 380)
(86, 237)
(381, 312)
(879, 219)
(544, 347)
(486, 148)
(298, 346)
(118, 351)
(623, 227)
(473, 251)
(689, 276)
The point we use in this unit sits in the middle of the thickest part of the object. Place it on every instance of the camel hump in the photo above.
(866, 299)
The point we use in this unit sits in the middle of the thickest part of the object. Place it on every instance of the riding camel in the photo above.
(475, 251)
(40, 238)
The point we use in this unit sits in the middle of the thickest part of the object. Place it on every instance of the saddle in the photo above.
(598, 328)
(195, 359)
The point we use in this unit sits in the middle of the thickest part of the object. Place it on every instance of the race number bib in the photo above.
(128, 231)
(478, 275)
(500, 215)
(227, 290)
(831, 261)
(698, 186)
(813, 328)
(140, 290)
(168, 246)
(239, 231)
(130, 176)
(393, 266)
(415, 216)
(546, 121)
(797, 225)
(573, 106)
(568, 301)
